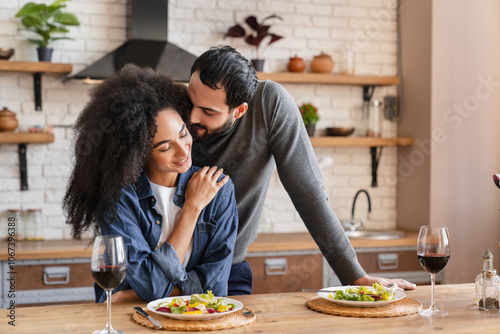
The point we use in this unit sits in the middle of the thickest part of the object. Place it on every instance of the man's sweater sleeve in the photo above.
(299, 173)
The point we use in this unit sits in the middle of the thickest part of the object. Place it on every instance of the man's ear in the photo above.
(240, 110)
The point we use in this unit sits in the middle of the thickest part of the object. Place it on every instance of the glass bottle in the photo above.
(20, 221)
(375, 118)
(348, 65)
(490, 291)
(34, 225)
(487, 267)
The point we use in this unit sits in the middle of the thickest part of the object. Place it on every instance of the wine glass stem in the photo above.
(109, 328)
(433, 282)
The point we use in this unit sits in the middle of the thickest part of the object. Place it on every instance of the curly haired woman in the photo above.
(133, 177)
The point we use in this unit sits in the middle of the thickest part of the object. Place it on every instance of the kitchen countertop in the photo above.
(265, 242)
(276, 313)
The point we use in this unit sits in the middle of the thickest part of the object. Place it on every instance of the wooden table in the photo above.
(276, 313)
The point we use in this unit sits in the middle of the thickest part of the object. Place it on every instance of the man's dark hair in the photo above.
(113, 138)
(223, 65)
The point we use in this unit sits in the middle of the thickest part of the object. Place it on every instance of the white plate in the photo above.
(399, 295)
(152, 306)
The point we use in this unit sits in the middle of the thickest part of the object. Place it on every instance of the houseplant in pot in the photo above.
(258, 32)
(310, 116)
(48, 23)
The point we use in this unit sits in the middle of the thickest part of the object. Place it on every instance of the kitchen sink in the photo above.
(377, 235)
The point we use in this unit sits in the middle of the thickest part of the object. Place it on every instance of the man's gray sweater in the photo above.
(272, 131)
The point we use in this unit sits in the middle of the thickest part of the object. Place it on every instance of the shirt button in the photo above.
(157, 222)
(152, 199)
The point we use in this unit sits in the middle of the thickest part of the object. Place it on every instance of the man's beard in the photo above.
(208, 134)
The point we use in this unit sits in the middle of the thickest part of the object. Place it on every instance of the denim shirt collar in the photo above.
(144, 189)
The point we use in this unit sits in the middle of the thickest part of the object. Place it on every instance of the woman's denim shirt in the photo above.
(151, 272)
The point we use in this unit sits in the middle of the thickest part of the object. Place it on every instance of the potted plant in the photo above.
(258, 32)
(48, 22)
(310, 117)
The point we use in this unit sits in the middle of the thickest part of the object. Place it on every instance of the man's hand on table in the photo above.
(369, 280)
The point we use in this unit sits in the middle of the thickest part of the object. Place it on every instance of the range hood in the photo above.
(147, 46)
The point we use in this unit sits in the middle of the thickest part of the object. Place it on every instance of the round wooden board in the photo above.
(405, 306)
(232, 320)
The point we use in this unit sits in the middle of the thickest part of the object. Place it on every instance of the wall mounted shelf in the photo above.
(329, 79)
(360, 141)
(37, 69)
(23, 139)
(373, 143)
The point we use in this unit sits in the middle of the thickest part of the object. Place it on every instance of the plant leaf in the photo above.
(38, 42)
(56, 5)
(274, 38)
(235, 31)
(29, 9)
(31, 21)
(273, 16)
(262, 31)
(252, 22)
(254, 40)
(66, 19)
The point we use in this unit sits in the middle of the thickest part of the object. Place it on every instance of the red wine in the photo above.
(433, 263)
(109, 277)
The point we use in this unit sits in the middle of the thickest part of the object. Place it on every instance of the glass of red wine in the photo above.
(109, 264)
(433, 251)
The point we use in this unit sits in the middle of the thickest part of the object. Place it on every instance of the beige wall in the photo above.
(464, 117)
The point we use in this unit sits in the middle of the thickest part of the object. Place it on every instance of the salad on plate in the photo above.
(195, 307)
(197, 304)
(363, 296)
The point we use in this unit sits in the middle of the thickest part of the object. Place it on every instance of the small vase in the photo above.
(296, 65)
(310, 128)
(44, 54)
(8, 120)
(322, 64)
(258, 64)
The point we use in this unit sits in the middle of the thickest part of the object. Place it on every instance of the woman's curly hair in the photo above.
(113, 138)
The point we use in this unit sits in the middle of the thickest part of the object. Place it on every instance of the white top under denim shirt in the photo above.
(170, 212)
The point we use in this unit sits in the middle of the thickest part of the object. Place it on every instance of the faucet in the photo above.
(353, 225)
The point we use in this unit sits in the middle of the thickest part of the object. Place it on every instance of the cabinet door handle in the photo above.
(387, 261)
(275, 266)
(55, 272)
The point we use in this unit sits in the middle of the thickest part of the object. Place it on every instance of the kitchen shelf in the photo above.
(22, 139)
(372, 143)
(360, 141)
(37, 69)
(329, 79)
(25, 138)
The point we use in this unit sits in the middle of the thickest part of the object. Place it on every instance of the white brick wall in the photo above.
(309, 27)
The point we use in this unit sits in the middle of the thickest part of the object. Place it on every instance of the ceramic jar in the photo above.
(8, 120)
(322, 63)
(296, 64)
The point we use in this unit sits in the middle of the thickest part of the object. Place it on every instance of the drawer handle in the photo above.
(388, 261)
(275, 266)
(55, 272)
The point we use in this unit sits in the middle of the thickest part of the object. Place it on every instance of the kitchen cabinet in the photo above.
(49, 281)
(46, 272)
(22, 139)
(275, 272)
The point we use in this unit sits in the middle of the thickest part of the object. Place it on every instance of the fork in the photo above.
(247, 312)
